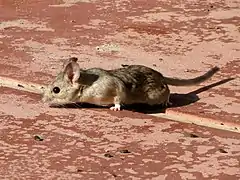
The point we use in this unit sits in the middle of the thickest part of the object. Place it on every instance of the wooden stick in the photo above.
(23, 86)
(198, 120)
(170, 114)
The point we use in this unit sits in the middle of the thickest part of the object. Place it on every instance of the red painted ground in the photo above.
(178, 38)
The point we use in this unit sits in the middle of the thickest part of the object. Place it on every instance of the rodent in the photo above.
(123, 86)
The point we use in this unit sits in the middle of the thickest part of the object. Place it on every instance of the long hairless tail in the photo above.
(193, 81)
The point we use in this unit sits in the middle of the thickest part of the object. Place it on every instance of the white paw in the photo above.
(116, 107)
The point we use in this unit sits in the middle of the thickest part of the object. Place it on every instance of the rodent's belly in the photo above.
(99, 101)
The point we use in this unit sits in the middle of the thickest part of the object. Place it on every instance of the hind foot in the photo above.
(116, 107)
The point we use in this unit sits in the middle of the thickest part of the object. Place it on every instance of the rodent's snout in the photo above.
(47, 101)
(45, 98)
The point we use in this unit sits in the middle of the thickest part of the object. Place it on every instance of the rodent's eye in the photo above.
(56, 90)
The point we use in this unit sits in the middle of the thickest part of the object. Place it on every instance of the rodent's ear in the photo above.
(72, 71)
(71, 59)
(74, 59)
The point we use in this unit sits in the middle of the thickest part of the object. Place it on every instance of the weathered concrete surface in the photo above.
(93, 143)
(178, 38)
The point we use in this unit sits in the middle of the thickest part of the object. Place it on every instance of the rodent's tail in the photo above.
(193, 81)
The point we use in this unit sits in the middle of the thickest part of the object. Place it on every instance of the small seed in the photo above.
(38, 138)
(108, 155)
(124, 151)
(193, 135)
(222, 151)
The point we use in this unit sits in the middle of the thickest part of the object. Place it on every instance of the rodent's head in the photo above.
(64, 89)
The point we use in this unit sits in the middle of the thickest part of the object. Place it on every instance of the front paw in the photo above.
(116, 107)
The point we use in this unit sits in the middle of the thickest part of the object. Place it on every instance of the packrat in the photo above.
(130, 84)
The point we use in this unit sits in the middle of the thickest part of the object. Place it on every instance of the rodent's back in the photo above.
(137, 75)
(140, 82)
